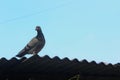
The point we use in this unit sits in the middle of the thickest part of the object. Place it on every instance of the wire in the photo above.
(36, 13)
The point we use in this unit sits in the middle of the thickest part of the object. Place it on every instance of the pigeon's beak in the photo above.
(38, 28)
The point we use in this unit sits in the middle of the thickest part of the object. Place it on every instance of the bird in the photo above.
(35, 45)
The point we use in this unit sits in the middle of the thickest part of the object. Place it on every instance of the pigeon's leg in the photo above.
(34, 53)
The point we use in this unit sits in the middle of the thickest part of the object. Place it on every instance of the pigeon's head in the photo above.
(38, 28)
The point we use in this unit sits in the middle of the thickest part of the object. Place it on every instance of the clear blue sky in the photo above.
(82, 29)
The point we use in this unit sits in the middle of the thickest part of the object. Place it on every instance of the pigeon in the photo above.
(35, 45)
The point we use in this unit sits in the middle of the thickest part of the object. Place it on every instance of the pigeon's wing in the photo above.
(37, 48)
(28, 47)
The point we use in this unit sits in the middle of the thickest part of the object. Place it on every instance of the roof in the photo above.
(56, 67)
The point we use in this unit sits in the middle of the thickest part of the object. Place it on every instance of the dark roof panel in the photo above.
(56, 66)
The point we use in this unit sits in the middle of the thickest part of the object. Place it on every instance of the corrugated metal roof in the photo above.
(56, 67)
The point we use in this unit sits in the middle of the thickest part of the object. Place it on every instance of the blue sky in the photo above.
(82, 29)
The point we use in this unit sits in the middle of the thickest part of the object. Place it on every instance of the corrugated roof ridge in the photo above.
(59, 65)
(3, 59)
(65, 59)
(29, 59)
(75, 60)
(93, 62)
(79, 61)
(13, 58)
(56, 59)
(117, 65)
(46, 57)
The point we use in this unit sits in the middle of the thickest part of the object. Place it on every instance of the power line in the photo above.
(36, 13)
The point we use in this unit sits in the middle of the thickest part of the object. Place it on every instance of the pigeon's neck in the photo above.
(39, 34)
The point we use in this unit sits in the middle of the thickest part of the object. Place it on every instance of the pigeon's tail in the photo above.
(21, 53)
